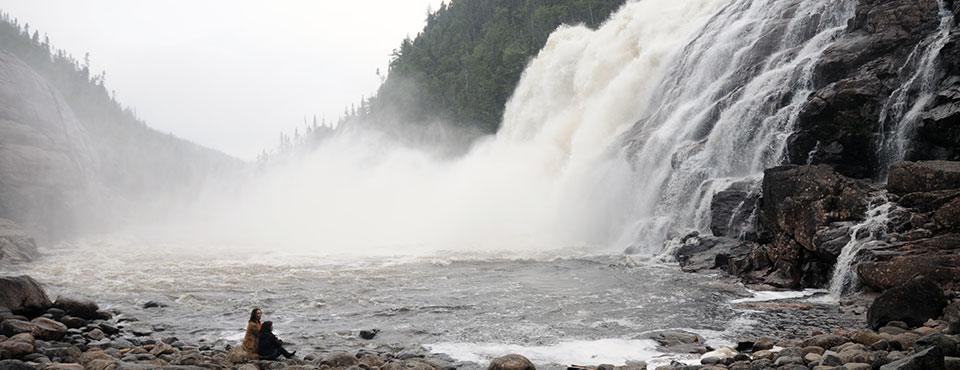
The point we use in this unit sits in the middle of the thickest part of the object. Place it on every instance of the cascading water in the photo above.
(614, 137)
(727, 106)
(901, 112)
(844, 279)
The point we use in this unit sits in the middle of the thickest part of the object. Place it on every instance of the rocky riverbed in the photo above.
(36, 333)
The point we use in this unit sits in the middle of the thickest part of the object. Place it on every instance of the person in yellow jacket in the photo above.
(251, 338)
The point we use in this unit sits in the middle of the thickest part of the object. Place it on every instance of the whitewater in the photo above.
(616, 137)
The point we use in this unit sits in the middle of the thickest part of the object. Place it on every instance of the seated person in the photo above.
(269, 346)
(250, 339)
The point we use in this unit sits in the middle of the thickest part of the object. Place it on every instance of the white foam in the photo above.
(581, 352)
(765, 296)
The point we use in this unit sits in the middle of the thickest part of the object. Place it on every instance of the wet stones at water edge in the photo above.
(23, 295)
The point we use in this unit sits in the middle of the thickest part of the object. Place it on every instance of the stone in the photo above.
(62, 366)
(369, 334)
(162, 349)
(96, 334)
(511, 362)
(797, 202)
(825, 341)
(913, 302)
(73, 322)
(928, 359)
(855, 355)
(951, 363)
(79, 308)
(857, 366)
(864, 337)
(924, 176)
(15, 365)
(951, 315)
(788, 360)
(16, 349)
(731, 208)
(946, 344)
(23, 295)
(16, 246)
(65, 353)
(830, 358)
(905, 340)
(340, 359)
(763, 355)
(95, 355)
(49, 329)
(670, 338)
(14, 327)
(811, 357)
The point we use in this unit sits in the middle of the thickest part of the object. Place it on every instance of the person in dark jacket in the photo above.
(269, 347)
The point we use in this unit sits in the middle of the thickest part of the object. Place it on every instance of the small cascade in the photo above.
(844, 280)
(901, 112)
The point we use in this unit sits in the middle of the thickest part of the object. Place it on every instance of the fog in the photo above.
(230, 75)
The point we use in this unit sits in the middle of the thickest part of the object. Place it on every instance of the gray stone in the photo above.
(23, 294)
(928, 359)
(511, 362)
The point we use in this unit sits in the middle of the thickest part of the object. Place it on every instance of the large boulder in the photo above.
(888, 265)
(798, 203)
(79, 308)
(23, 295)
(926, 176)
(15, 245)
(511, 362)
(913, 302)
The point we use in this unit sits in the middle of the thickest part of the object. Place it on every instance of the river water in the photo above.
(562, 307)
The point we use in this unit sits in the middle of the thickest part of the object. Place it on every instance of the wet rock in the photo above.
(811, 357)
(14, 327)
(797, 202)
(15, 365)
(23, 295)
(511, 362)
(722, 355)
(928, 359)
(857, 366)
(369, 334)
(763, 355)
(830, 358)
(154, 304)
(73, 322)
(670, 338)
(951, 363)
(731, 208)
(951, 315)
(340, 359)
(16, 349)
(936, 258)
(864, 337)
(79, 308)
(96, 334)
(109, 329)
(946, 344)
(64, 353)
(16, 246)
(925, 176)
(904, 340)
(49, 329)
(913, 302)
(825, 341)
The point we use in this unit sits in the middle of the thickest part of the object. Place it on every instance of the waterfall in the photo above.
(724, 109)
(844, 279)
(902, 109)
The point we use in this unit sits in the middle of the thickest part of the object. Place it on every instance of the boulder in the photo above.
(951, 314)
(23, 295)
(49, 329)
(730, 210)
(79, 308)
(913, 302)
(16, 245)
(16, 349)
(15, 365)
(340, 359)
(926, 176)
(14, 327)
(946, 344)
(797, 203)
(511, 362)
(826, 341)
(888, 265)
(928, 359)
(670, 338)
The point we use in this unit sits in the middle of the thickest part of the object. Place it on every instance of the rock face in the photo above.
(798, 202)
(856, 78)
(15, 245)
(913, 302)
(45, 161)
(22, 294)
(923, 177)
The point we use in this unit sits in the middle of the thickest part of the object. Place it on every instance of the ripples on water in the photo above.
(576, 309)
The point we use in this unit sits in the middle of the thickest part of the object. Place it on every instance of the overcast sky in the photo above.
(230, 74)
